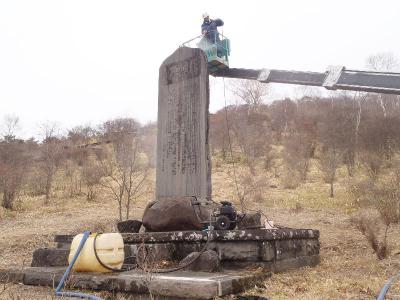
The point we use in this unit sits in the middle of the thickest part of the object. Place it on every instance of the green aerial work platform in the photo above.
(217, 52)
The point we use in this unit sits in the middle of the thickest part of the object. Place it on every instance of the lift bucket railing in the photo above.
(214, 44)
(216, 47)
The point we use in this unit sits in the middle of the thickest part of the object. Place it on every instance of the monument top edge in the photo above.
(183, 53)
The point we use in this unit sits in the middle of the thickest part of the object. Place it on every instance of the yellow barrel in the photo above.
(109, 248)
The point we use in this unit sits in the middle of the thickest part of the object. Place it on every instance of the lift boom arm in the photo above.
(335, 78)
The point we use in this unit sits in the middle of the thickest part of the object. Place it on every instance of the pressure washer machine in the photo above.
(223, 215)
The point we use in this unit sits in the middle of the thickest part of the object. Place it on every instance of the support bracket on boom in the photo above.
(331, 79)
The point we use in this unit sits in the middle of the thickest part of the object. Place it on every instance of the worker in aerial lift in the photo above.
(209, 30)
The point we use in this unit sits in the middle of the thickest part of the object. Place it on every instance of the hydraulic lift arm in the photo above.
(335, 78)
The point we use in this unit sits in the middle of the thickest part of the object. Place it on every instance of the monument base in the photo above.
(246, 256)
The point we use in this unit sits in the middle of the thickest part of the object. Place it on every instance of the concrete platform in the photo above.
(177, 285)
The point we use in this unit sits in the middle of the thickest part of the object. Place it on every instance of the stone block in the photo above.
(311, 247)
(64, 246)
(240, 250)
(129, 226)
(43, 276)
(296, 262)
(50, 257)
(268, 250)
(288, 248)
(183, 288)
(207, 261)
(153, 252)
(184, 249)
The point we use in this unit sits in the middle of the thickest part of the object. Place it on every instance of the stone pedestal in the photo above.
(183, 161)
(275, 250)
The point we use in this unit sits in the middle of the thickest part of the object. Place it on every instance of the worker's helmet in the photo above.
(205, 15)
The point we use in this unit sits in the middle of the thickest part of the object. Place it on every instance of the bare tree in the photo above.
(329, 162)
(91, 175)
(218, 132)
(126, 169)
(373, 162)
(51, 155)
(299, 148)
(251, 92)
(149, 142)
(14, 162)
(247, 187)
(11, 125)
(252, 134)
(282, 113)
(384, 61)
(81, 135)
(73, 176)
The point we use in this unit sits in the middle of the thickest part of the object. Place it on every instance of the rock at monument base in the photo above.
(250, 220)
(129, 226)
(50, 257)
(207, 262)
(172, 214)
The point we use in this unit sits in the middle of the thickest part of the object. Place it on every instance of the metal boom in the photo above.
(335, 78)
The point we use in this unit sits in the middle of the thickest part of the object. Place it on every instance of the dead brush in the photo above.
(298, 208)
(384, 197)
(5, 284)
(291, 179)
(369, 227)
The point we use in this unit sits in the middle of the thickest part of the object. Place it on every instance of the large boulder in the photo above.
(208, 261)
(173, 214)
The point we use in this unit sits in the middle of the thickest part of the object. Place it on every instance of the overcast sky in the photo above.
(82, 62)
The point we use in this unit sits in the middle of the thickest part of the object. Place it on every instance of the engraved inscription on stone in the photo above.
(183, 166)
(181, 70)
(179, 150)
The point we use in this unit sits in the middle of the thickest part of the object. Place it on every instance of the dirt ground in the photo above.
(348, 269)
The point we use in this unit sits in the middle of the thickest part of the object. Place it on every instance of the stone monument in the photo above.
(183, 160)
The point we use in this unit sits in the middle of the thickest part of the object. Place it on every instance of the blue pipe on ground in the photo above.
(386, 287)
(65, 276)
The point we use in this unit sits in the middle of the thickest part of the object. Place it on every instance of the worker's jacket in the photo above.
(211, 28)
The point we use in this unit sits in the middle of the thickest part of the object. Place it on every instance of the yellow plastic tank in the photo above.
(109, 248)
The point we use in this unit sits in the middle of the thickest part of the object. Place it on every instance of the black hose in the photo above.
(189, 262)
(102, 263)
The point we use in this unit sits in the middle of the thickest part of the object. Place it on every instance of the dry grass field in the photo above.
(348, 270)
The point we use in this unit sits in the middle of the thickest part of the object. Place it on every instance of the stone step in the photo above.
(176, 285)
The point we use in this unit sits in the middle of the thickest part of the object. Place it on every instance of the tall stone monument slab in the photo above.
(183, 160)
